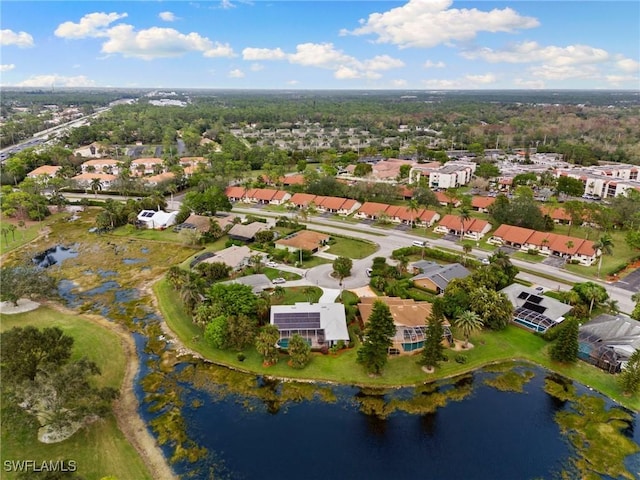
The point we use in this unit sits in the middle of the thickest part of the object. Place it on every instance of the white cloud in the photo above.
(158, 42)
(226, 4)
(263, 54)
(399, 83)
(621, 80)
(383, 62)
(293, 82)
(237, 73)
(20, 39)
(326, 56)
(427, 23)
(56, 80)
(532, 52)
(154, 42)
(430, 64)
(91, 25)
(256, 67)
(563, 72)
(167, 16)
(7, 67)
(628, 65)
(468, 82)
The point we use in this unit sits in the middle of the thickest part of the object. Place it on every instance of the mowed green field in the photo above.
(99, 449)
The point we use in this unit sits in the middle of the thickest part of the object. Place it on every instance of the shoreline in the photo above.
(125, 407)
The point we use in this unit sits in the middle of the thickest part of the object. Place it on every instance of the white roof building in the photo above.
(157, 219)
(321, 324)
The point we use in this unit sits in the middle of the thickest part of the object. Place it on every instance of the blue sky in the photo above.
(361, 44)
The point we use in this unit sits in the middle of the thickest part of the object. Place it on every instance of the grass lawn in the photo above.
(130, 231)
(512, 343)
(100, 449)
(22, 236)
(351, 247)
(294, 295)
(529, 258)
(272, 273)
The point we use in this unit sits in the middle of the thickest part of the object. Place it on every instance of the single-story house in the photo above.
(410, 319)
(320, 324)
(246, 233)
(101, 165)
(266, 195)
(371, 210)
(196, 222)
(235, 193)
(84, 180)
(482, 204)
(608, 341)
(303, 240)
(302, 200)
(473, 228)
(155, 180)
(547, 243)
(48, 171)
(436, 277)
(146, 166)
(258, 282)
(157, 219)
(236, 257)
(89, 151)
(534, 311)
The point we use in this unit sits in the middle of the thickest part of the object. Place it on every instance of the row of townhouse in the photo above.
(471, 228)
(398, 214)
(139, 166)
(262, 196)
(338, 205)
(546, 243)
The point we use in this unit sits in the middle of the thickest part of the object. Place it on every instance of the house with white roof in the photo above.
(157, 219)
(320, 324)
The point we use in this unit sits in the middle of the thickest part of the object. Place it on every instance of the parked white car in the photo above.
(278, 280)
(272, 264)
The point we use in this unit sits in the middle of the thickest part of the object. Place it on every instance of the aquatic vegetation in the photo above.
(592, 429)
(511, 381)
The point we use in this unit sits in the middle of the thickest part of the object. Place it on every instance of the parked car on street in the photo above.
(278, 280)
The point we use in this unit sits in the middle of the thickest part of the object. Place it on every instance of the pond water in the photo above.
(252, 428)
(54, 255)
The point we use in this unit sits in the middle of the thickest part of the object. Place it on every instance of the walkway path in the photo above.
(329, 295)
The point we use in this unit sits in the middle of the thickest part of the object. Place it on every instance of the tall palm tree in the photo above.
(464, 216)
(468, 322)
(95, 186)
(413, 207)
(605, 245)
(466, 248)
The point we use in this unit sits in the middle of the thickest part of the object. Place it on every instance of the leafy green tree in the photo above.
(633, 239)
(207, 202)
(232, 299)
(299, 352)
(570, 186)
(636, 310)
(216, 331)
(342, 268)
(591, 294)
(629, 379)
(372, 355)
(425, 197)
(468, 322)
(433, 349)
(362, 169)
(487, 170)
(25, 281)
(266, 344)
(26, 350)
(494, 308)
(241, 331)
(565, 348)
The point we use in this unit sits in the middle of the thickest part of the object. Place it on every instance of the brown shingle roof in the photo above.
(373, 208)
(304, 239)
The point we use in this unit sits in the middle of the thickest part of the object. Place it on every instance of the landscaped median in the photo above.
(490, 347)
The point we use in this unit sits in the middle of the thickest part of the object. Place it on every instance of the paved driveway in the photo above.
(631, 282)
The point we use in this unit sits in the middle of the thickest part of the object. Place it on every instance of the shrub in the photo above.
(533, 251)
(461, 359)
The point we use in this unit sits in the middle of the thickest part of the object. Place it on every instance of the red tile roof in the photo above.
(482, 202)
(302, 199)
(453, 222)
(373, 208)
(235, 192)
